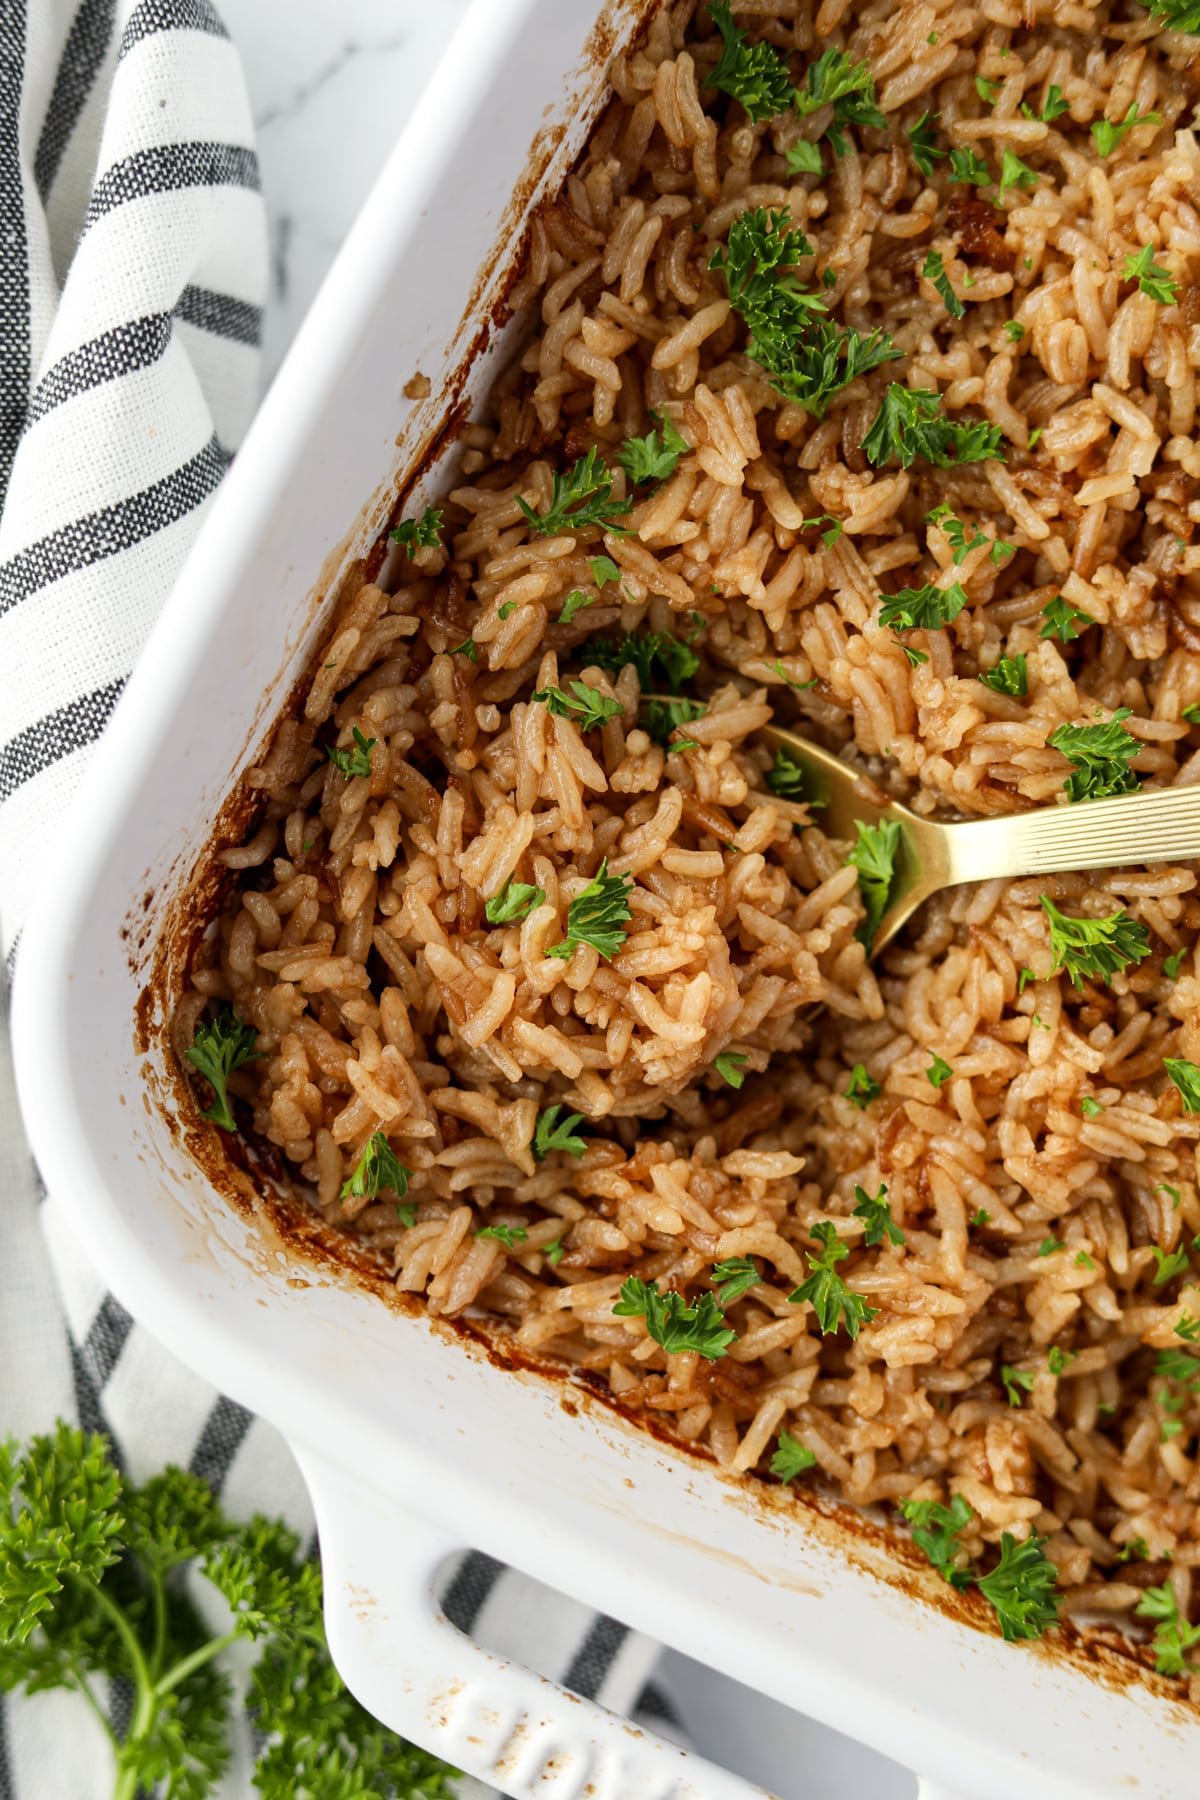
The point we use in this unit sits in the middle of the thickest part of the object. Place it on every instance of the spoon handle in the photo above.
(1162, 826)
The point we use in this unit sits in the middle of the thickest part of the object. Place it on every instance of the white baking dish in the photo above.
(416, 1445)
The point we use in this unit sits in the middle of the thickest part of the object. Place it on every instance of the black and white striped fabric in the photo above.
(132, 279)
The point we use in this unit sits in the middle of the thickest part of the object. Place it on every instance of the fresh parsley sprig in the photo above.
(1009, 676)
(1173, 1636)
(875, 1210)
(755, 75)
(598, 916)
(1063, 621)
(923, 142)
(935, 1530)
(93, 1588)
(1185, 1076)
(863, 1088)
(874, 856)
(736, 1276)
(423, 533)
(653, 458)
(672, 1323)
(934, 270)
(663, 718)
(1101, 755)
(552, 1133)
(585, 705)
(1098, 948)
(660, 658)
(791, 1458)
(1108, 133)
(578, 499)
(825, 1291)
(849, 87)
(377, 1168)
(226, 1043)
(924, 608)
(1022, 1587)
(515, 901)
(910, 425)
(1157, 284)
(357, 761)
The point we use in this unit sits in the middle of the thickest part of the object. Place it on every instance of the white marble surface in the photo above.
(331, 84)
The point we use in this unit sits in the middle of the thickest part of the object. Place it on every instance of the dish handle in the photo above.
(485, 1715)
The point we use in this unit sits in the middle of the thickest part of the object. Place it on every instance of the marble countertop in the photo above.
(331, 84)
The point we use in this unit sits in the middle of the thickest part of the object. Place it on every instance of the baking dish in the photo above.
(416, 1441)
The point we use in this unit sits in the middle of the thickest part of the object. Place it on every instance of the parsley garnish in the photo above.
(650, 652)
(422, 533)
(506, 609)
(377, 1168)
(586, 705)
(217, 1050)
(826, 1292)
(935, 1530)
(598, 916)
(1091, 1109)
(1014, 1380)
(980, 1218)
(515, 901)
(1107, 133)
(934, 270)
(407, 1214)
(1063, 621)
(1009, 676)
(955, 533)
(663, 717)
(987, 90)
(1084, 1261)
(1014, 329)
(1054, 108)
(1021, 1587)
(653, 457)
(552, 1133)
(1173, 1636)
(730, 1066)
(1101, 755)
(785, 777)
(468, 648)
(876, 1212)
(915, 657)
(910, 424)
(1186, 1077)
(874, 856)
(737, 1275)
(1171, 964)
(924, 608)
(804, 158)
(939, 1072)
(1158, 284)
(1100, 948)
(755, 75)
(97, 1587)
(862, 1089)
(674, 1324)
(1015, 173)
(1188, 1328)
(575, 602)
(848, 86)
(554, 1252)
(603, 569)
(349, 763)
(508, 1235)
(581, 497)
(1049, 1246)
(923, 144)
(800, 686)
(969, 166)
(792, 1458)
(1167, 1267)
(1057, 1360)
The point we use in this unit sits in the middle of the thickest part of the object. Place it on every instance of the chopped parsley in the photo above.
(863, 1089)
(1014, 1381)
(1173, 1636)
(1049, 1246)
(987, 90)
(730, 1066)
(934, 270)
(468, 648)
(1158, 284)
(875, 1210)
(969, 167)
(406, 1212)
(1063, 621)
(786, 776)
(603, 569)
(1101, 756)
(506, 610)
(515, 901)
(552, 1133)
(1054, 108)
(923, 144)
(423, 533)
(217, 1049)
(1022, 1587)
(653, 654)
(955, 533)
(804, 158)
(1099, 948)
(1091, 1109)
(910, 424)
(554, 1252)
(598, 916)
(935, 1530)
(664, 717)
(1188, 1328)
(378, 1167)
(349, 763)
(755, 75)
(653, 457)
(672, 1323)
(508, 1235)
(1172, 964)
(874, 856)
(980, 1218)
(939, 1072)
(849, 87)
(831, 1300)
(575, 602)
(1186, 1077)
(1015, 173)
(1009, 676)
(1167, 1266)
(586, 705)
(1084, 1261)
(1107, 133)
(1014, 329)
(791, 1458)
(800, 686)
(926, 608)
(1057, 1360)
(581, 497)
(915, 657)
(736, 1276)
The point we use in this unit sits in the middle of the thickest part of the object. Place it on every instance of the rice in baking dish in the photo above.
(984, 1180)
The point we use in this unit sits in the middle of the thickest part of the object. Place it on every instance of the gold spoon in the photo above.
(1128, 830)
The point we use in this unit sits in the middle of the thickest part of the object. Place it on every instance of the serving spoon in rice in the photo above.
(1123, 831)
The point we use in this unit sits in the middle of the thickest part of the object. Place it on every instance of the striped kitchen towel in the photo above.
(132, 278)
